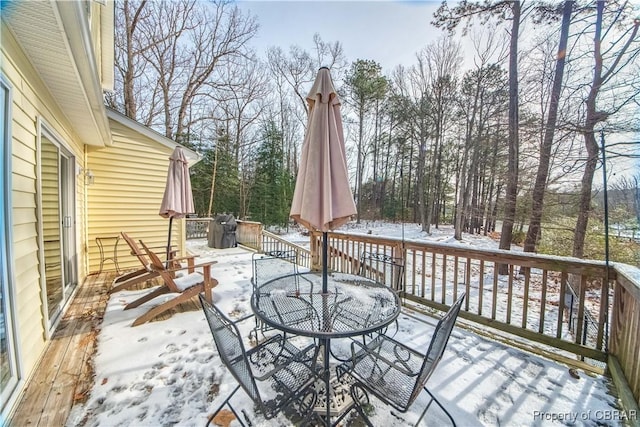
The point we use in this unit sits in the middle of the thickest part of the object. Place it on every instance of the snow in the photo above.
(169, 373)
(185, 282)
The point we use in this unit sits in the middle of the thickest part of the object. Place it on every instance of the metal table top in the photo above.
(352, 306)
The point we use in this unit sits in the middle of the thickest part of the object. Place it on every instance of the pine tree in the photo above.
(273, 188)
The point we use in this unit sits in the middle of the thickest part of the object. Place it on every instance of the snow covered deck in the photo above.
(168, 372)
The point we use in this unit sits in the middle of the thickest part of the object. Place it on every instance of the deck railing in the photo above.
(624, 342)
(252, 234)
(563, 304)
(249, 233)
(197, 228)
(534, 299)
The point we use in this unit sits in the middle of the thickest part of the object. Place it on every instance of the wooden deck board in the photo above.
(64, 375)
(49, 395)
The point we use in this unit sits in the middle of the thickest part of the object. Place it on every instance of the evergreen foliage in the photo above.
(272, 191)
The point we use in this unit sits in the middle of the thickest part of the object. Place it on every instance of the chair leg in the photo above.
(226, 403)
(303, 405)
(148, 297)
(120, 285)
(258, 329)
(129, 275)
(184, 296)
(434, 400)
(357, 393)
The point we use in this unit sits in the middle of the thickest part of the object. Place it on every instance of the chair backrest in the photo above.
(158, 265)
(382, 268)
(273, 264)
(230, 348)
(135, 249)
(438, 344)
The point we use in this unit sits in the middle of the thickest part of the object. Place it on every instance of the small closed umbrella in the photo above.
(177, 201)
(322, 198)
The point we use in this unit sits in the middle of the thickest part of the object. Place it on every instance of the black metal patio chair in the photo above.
(273, 264)
(275, 368)
(268, 266)
(395, 373)
(384, 269)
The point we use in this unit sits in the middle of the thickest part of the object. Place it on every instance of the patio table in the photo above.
(353, 306)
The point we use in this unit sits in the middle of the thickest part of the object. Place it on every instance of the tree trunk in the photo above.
(593, 117)
(131, 22)
(213, 180)
(420, 182)
(512, 162)
(590, 142)
(457, 232)
(540, 186)
(359, 164)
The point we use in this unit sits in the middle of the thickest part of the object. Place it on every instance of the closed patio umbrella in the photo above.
(177, 201)
(322, 198)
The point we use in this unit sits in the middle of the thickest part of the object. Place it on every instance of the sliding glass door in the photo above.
(8, 359)
(58, 223)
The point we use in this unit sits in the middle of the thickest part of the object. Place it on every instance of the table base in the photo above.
(340, 399)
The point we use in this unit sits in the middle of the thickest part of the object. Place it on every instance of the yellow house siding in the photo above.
(29, 320)
(129, 184)
(32, 104)
(22, 152)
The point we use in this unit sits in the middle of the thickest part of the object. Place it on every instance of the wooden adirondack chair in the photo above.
(146, 272)
(186, 287)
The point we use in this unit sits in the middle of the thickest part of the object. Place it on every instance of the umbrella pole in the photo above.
(325, 314)
(169, 241)
(325, 256)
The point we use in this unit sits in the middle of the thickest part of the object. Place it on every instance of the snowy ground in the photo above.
(169, 373)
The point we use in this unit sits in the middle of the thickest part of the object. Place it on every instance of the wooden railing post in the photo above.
(249, 233)
(624, 335)
(314, 245)
(397, 252)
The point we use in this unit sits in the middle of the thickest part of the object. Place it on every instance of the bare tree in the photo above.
(242, 104)
(299, 67)
(533, 232)
(442, 60)
(129, 47)
(292, 74)
(296, 70)
(619, 51)
(450, 19)
(170, 52)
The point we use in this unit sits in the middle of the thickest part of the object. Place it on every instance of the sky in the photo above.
(168, 372)
(389, 32)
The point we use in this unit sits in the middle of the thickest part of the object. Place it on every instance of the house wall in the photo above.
(130, 178)
(32, 104)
